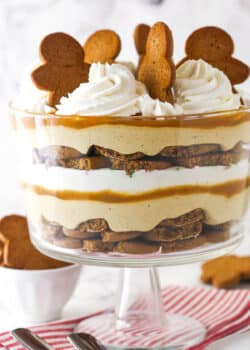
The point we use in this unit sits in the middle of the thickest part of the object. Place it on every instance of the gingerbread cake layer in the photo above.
(174, 156)
(180, 233)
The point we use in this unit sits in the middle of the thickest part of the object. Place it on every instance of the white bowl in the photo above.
(36, 296)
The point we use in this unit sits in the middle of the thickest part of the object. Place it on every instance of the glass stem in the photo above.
(139, 298)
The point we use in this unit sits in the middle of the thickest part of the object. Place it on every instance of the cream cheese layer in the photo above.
(58, 178)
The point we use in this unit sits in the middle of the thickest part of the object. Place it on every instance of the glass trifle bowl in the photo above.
(135, 192)
(135, 187)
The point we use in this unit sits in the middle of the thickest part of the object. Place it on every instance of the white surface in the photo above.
(57, 178)
(24, 22)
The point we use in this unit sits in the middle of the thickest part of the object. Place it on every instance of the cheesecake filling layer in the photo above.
(58, 178)
(140, 215)
(127, 136)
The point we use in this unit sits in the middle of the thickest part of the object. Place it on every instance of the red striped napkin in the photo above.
(223, 313)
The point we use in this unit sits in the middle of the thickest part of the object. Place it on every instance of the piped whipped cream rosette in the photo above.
(111, 90)
(201, 88)
(134, 163)
(114, 90)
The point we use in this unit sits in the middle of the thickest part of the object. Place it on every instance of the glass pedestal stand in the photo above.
(139, 319)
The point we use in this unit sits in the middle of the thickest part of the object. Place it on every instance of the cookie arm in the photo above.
(236, 70)
(44, 78)
(227, 279)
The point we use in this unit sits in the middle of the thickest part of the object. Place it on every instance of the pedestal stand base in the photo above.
(139, 320)
(178, 332)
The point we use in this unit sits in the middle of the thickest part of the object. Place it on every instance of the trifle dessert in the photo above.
(124, 159)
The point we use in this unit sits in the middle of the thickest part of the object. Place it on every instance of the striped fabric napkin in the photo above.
(223, 313)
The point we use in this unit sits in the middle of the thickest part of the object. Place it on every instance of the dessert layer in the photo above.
(140, 215)
(130, 135)
(176, 156)
(226, 189)
(58, 178)
(169, 235)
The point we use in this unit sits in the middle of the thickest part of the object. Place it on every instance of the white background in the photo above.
(22, 25)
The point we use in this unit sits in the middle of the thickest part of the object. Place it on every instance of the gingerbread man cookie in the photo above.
(215, 46)
(226, 271)
(3, 245)
(157, 70)
(102, 46)
(63, 68)
(140, 38)
(18, 251)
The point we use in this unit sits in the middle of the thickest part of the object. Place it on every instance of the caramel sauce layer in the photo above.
(206, 121)
(227, 189)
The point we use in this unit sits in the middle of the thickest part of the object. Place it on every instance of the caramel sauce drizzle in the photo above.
(226, 189)
(208, 121)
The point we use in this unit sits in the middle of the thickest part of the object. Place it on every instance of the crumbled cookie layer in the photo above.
(184, 232)
(99, 157)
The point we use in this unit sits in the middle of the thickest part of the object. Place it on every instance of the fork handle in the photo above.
(30, 340)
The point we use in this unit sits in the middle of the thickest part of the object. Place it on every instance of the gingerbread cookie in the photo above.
(169, 234)
(131, 166)
(97, 245)
(60, 240)
(182, 244)
(56, 153)
(102, 46)
(83, 163)
(111, 236)
(79, 234)
(94, 225)
(190, 151)
(136, 247)
(18, 251)
(157, 70)
(3, 246)
(106, 152)
(226, 271)
(215, 46)
(63, 68)
(140, 38)
(191, 217)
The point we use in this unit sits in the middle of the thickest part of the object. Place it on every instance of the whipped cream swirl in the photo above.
(111, 90)
(202, 88)
(154, 107)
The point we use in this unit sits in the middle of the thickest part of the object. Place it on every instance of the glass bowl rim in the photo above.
(180, 117)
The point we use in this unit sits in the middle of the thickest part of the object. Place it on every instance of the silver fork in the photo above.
(30, 340)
